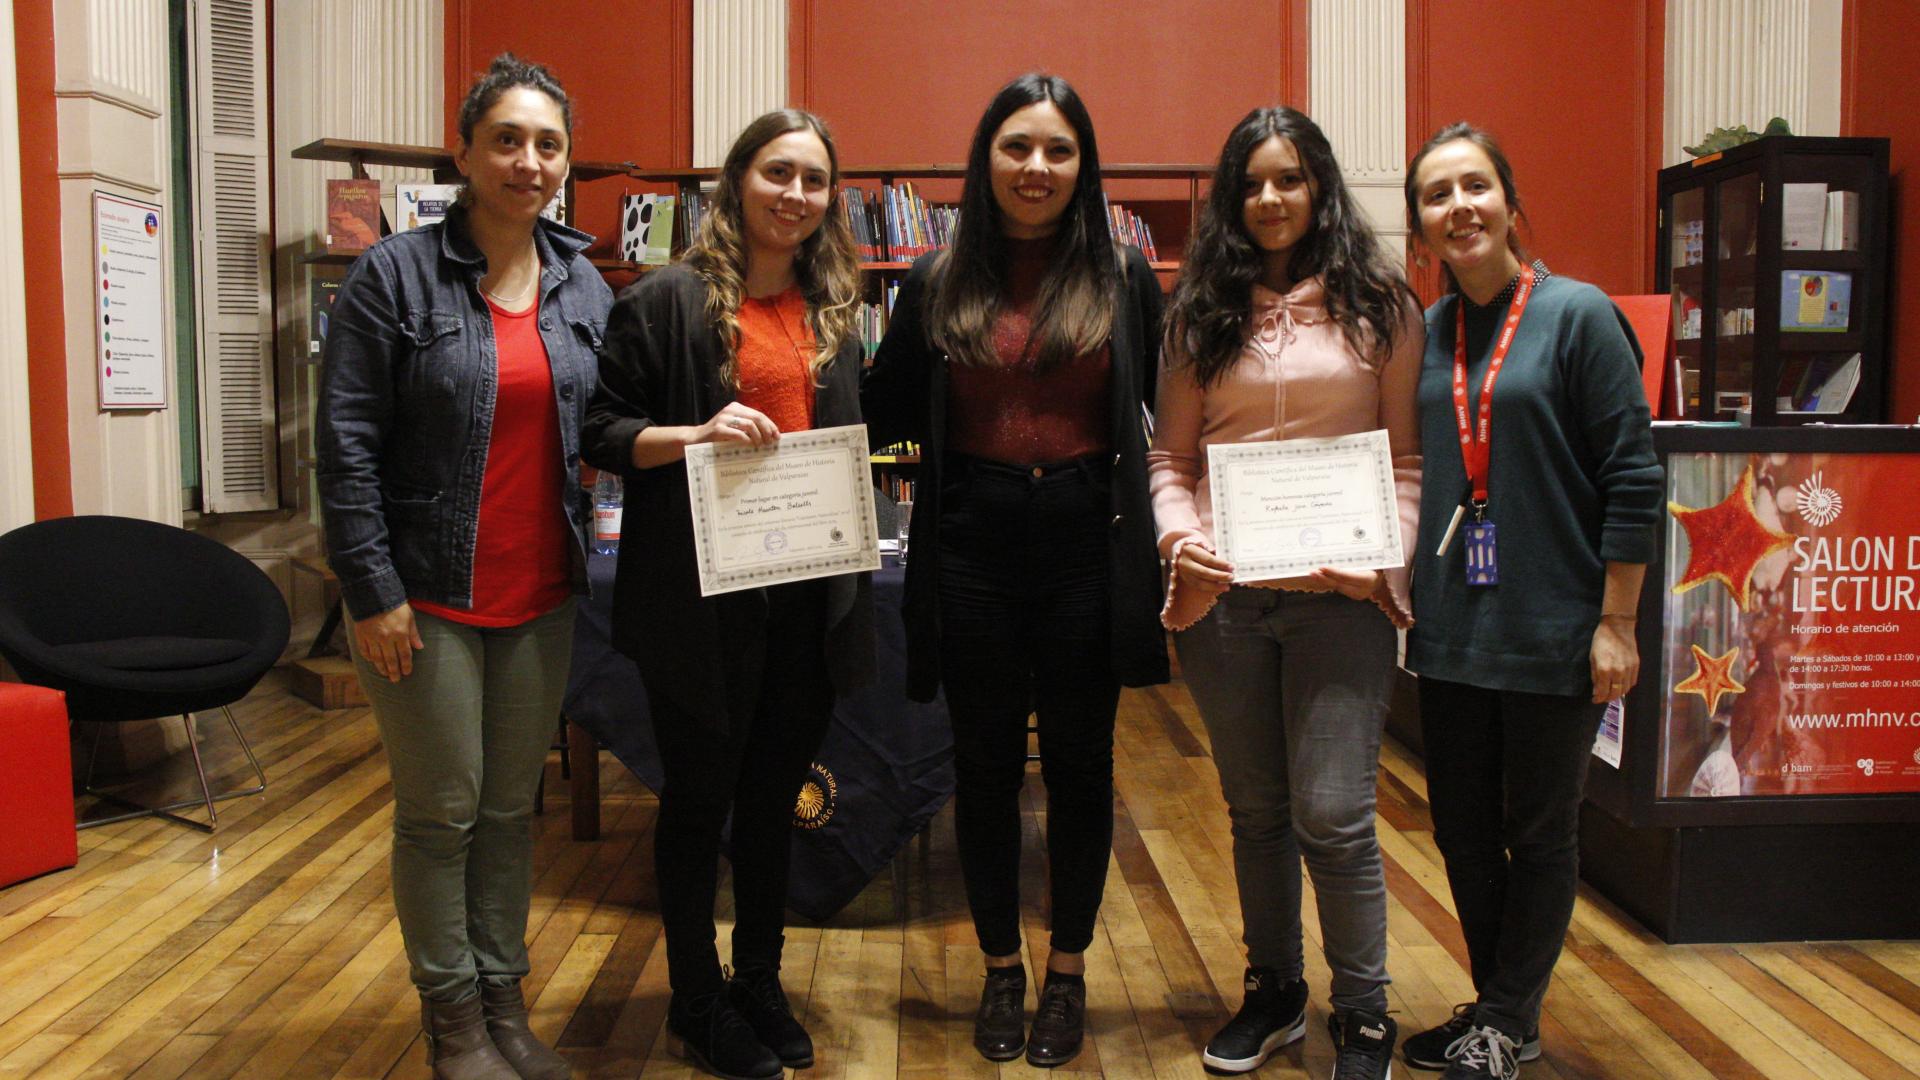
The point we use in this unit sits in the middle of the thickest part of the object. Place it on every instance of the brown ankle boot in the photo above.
(506, 1013)
(457, 1044)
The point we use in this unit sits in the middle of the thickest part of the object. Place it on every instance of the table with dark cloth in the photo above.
(885, 769)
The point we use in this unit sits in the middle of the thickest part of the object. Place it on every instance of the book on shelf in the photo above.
(1130, 228)
(1815, 301)
(1822, 384)
(1843, 222)
(321, 293)
(1690, 243)
(422, 204)
(646, 228)
(1803, 216)
(353, 215)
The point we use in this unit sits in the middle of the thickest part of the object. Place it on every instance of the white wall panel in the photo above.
(16, 436)
(1357, 89)
(1735, 62)
(739, 70)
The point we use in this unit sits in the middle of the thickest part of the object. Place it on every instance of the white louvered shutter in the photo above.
(239, 437)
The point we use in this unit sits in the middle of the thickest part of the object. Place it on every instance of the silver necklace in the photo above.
(510, 301)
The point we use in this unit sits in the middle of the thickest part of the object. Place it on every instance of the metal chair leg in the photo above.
(207, 797)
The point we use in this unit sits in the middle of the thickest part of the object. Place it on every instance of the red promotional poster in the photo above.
(1792, 637)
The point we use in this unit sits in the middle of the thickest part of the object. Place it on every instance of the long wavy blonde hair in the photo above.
(827, 266)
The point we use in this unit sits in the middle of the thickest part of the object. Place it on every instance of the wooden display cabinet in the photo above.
(1775, 255)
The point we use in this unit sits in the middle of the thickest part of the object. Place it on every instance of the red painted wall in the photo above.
(1573, 92)
(1877, 65)
(40, 213)
(627, 65)
(1163, 82)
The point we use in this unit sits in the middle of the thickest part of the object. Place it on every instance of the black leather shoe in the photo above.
(1059, 1022)
(1000, 1024)
(757, 994)
(713, 1033)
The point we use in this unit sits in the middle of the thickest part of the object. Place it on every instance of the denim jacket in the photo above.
(406, 401)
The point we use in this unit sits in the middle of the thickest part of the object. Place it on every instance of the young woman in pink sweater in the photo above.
(1289, 322)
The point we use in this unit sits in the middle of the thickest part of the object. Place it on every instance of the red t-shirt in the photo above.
(520, 559)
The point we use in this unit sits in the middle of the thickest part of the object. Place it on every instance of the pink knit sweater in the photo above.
(1296, 378)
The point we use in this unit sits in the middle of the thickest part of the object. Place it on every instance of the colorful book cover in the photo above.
(423, 204)
(353, 215)
(1815, 301)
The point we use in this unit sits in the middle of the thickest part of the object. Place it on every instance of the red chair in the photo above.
(36, 784)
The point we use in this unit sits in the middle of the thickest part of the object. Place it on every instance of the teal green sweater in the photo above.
(1573, 485)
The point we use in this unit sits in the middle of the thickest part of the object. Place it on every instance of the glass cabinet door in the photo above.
(1735, 243)
(1822, 291)
(1687, 264)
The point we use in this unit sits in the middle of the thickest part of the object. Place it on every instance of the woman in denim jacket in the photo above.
(458, 366)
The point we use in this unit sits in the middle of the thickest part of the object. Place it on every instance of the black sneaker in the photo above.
(1000, 1024)
(1273, 1015)
(756, 993)
(1483, 1053)
(1059, 1021)
(1428, 1050)
(714, 1034)
(1363, 1045)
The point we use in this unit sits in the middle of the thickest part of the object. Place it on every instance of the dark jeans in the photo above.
(754, 772)
(1504, 775)
(1023, 629)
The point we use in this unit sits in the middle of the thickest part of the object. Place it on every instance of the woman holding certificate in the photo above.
(1537, 522)
(460, 359)
(751, 335)
(1020, 358)
(1289, 322)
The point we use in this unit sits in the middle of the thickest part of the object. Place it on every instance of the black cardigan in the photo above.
(905, 397)
(660, 364)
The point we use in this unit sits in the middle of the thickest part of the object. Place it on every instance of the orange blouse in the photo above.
(776, 345)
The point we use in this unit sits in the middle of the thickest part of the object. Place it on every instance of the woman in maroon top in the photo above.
(1020, 359)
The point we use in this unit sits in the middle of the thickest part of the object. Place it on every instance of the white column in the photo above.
(110, 84)
(1357, 88)
(1733, 62)
(16, 440)
(739, 70)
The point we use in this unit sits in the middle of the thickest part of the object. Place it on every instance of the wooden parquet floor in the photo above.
(270, 949)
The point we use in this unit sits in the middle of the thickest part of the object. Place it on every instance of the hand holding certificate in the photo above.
(798, 508)
(1283, 509)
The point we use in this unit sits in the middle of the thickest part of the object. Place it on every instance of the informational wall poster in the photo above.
(130, 309)
(1791, 653)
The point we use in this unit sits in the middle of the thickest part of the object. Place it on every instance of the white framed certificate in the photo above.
(1283, 509)
(800, 508)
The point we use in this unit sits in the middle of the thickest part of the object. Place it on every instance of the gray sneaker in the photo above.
(1428, 1050)
(1483, 1053)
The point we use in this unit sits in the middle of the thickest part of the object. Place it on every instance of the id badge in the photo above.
(1483, 567)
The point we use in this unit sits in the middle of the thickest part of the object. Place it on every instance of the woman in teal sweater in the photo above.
(1536, 524)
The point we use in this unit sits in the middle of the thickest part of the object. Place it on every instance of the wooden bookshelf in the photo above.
(358, 155)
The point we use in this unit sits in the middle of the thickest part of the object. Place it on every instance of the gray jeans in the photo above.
(1293, 688)
(466, 736)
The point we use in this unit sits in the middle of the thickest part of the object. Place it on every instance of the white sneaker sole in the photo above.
(1284, 1037)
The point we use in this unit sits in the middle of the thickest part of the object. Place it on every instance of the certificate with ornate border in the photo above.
(800, 508)
(1285, 508)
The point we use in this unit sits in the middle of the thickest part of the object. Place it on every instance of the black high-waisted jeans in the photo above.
(1024, 629)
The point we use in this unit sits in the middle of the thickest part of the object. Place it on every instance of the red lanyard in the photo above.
(1475, 440)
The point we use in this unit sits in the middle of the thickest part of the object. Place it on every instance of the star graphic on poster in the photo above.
(1726, 540)
(1712, 677)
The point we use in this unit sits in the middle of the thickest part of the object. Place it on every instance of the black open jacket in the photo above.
(660, 364)
(905, 398)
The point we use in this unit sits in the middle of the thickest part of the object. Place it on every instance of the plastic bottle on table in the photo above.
(606, 514)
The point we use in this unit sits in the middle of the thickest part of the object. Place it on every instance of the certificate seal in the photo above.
(1309, 537)
(775, 541)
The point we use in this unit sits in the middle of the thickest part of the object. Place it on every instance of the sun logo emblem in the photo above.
(814, 808)
(1817, 503)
